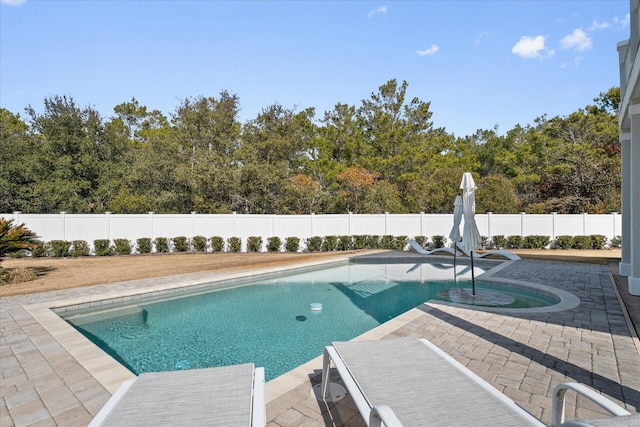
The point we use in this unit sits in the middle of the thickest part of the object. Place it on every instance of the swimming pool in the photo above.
(268, 322)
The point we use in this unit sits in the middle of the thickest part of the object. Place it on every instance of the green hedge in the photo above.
(329, 244)
(102, 247)
(217, 244)
(234, 244)
(80, 248)
(180, 243)
(122, 246)
(144, 245)
(274, 244)
(314, 244)
(292, 244)
(199, 243)
(59, 248)
(161, 244)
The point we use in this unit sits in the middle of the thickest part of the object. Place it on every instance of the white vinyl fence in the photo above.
(89, 227)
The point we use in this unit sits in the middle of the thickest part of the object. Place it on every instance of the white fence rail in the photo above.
(90, 227)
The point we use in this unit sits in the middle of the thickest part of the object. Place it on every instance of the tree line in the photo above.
(384, 155)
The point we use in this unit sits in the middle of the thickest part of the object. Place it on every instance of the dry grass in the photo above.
(65, 273)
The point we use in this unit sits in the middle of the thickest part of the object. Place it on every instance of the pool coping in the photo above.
(111, 374)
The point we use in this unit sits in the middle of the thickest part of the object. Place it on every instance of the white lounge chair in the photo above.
(222, 396)
(500, 252)
(422, 251)
(411, 382)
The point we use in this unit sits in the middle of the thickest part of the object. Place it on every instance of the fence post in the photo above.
(235, 219)
(349, 225)
(584, 223)
(421, 224)
(522, 224)
(615, 220)
(193, 223)
(273, 225)
(16, 217)
(64, 225)
(489, 219)
(151, 223)
(313, 215)
(386, 223)
(108, 216)
(553, 227)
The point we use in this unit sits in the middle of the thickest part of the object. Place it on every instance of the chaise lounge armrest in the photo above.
(558, 406)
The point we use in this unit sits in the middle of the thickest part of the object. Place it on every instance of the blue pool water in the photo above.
(269, 323)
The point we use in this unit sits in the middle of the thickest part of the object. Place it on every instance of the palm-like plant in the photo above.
(14, 238)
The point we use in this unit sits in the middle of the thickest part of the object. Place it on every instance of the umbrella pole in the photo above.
(455, 251)
(473, 277)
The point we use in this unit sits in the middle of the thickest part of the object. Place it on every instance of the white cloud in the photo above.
(531, 47)
(578, 40)
(12, 2)
(623, 23)
(483, 35)
(382, 10)
(429, 51)
(598, 25)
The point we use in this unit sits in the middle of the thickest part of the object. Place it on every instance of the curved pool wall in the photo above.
(566, 299)
(360, 276)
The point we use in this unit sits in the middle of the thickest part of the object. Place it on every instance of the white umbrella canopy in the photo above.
(454, 235)
(471, 239)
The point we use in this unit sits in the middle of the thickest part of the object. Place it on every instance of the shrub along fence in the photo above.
(107, 234)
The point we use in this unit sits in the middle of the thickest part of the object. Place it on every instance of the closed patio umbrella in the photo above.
(471, 239)
(454, 235)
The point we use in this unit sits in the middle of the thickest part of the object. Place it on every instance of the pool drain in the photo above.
(301, 318)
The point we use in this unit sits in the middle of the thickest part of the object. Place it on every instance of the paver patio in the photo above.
(45, 382)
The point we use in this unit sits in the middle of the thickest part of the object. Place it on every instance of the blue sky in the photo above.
(479, 63)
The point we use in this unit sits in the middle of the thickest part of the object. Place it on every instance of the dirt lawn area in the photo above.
(64, 273)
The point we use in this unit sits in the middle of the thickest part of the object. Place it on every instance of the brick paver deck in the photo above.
(46, 380)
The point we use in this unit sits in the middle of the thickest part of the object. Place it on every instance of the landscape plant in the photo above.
(59, 248)
(329, 243)
(122, 246)
(161, 244)
(373, 242)
(582, 242)
(199, 243)
(79, 248)
(514, 242)
(564, 242)
(345, 243)
(499, 241)
(217, 244)
(437, 241)
(274, 244)
(314, 243)
(292, 244)
(144, 245)
(254, 244)
(102, 247)
(387, 241)
(234, 244)
(360, 241)
(15, 238)
(616, 242)
(180, 243)
(598, 241)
